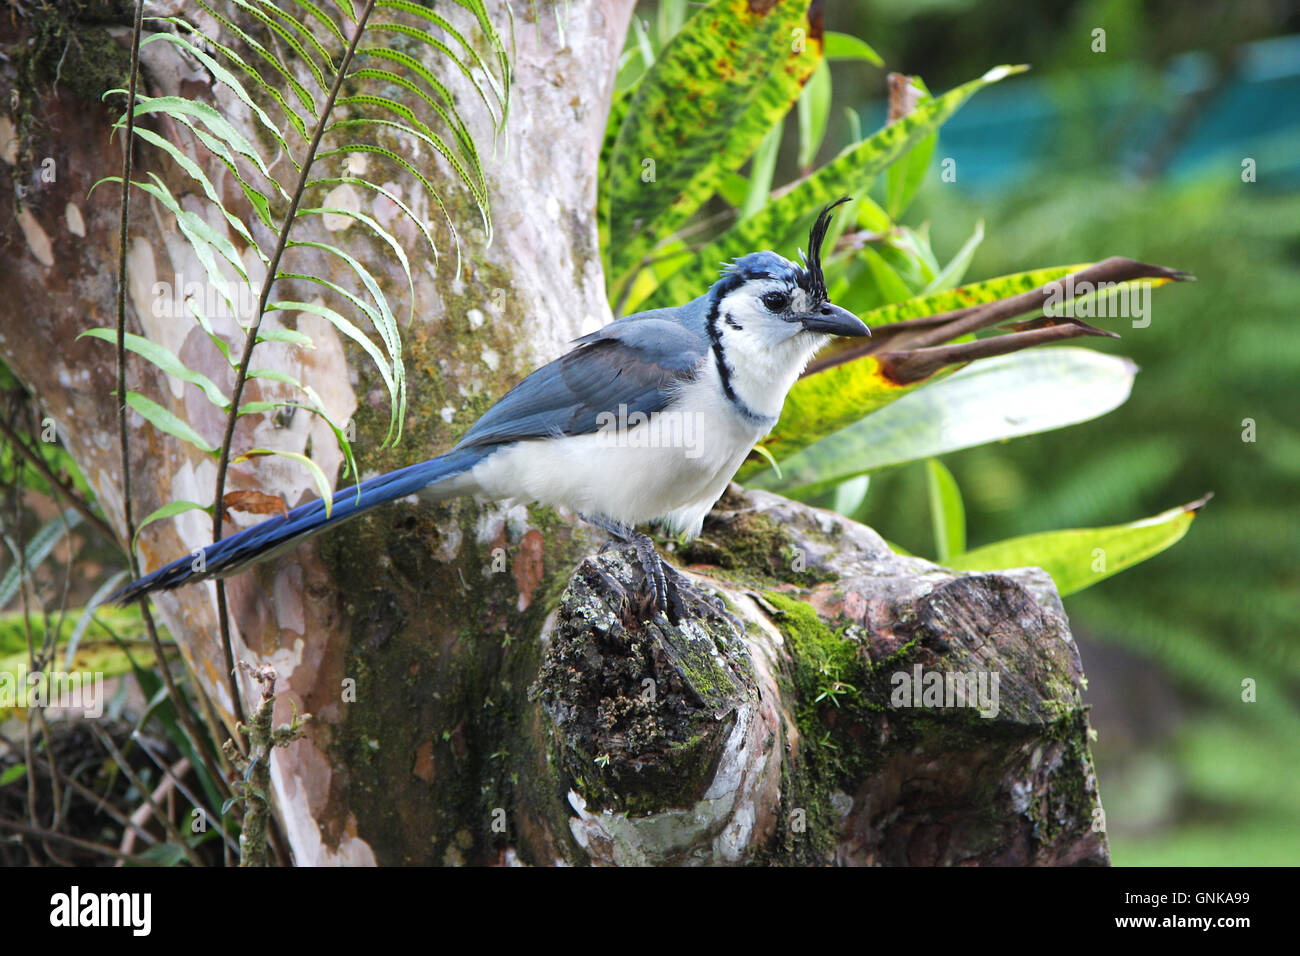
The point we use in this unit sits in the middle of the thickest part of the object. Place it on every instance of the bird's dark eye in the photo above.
(776, 301)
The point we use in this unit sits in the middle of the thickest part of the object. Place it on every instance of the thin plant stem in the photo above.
(124, 435)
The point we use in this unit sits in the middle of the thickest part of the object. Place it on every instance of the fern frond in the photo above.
(304, 98)
(286, 66)
(390, 196)
(229, 53)
(298, 28)
(405, 164)
(224, 76)
(166, 360)
(478, 189)
(383, 234)
(197, 174)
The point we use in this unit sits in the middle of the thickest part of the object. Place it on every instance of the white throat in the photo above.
(763, 361)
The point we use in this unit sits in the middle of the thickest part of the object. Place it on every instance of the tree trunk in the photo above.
(475, 698)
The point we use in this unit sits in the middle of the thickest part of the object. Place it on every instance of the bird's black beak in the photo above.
(832, 320)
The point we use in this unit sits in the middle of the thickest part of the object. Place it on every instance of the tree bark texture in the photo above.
(481, 687)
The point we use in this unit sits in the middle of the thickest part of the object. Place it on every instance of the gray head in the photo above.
(778, 299)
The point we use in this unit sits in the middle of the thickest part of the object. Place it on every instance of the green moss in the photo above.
(639, 711)
(65, 45)
(441, 686)
(829, 680)
(70, 47)
(752, 547)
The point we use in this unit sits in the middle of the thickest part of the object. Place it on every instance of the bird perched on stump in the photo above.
(645, 420)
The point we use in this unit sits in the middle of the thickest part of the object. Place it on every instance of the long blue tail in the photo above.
(285, 531)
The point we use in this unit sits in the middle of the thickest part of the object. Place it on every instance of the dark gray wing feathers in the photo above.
(635, 362)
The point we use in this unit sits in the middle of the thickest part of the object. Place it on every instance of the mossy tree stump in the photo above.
(796, 741)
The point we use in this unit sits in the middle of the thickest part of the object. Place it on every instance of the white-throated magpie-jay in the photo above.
(646, 419)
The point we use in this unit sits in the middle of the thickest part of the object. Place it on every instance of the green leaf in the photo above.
(391, 197)
(416, 128)
(223, 76)
(291, 336)
(290, 40)
(164, 854)
(956, 268)
(87, 615)
(759, 185)
(643, 42)
(324, 18)
(1079, 558)
(164, 359)
(352, 332)
(109, 656)
(850, 494)
(322, 483)
(712, 95)
(36, 551)
(186, 111)
(375, 27)
(167, 511)
(500, 86)
(316, 407)
(126, 622)
(385, 324)
(12, 774)
(850, 174)
(734, 188)
(905, 176)
(405, 164)
(991, 400)
(855, 124)
(821, 404)
(814, 111)
(275, 375)
(947, 513)
(842, 46)
(165, 421)
(886, 282)
(202, 239)
(271, 90)
(196, 309)
(445, 110)
(379, 231)
(197, 174)
(272, 60)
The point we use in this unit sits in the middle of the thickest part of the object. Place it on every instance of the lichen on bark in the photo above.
(862, 779)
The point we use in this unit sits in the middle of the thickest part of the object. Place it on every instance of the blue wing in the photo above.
(636, 362)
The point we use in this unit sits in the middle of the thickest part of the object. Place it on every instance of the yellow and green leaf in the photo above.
(712, 95)
(850, 173)
(1080, 557)
(826, 402)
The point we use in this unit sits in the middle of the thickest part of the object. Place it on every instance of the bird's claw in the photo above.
(661, 585)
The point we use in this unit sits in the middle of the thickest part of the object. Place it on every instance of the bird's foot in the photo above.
(660, 578)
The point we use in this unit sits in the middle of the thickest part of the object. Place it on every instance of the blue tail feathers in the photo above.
(280, 533)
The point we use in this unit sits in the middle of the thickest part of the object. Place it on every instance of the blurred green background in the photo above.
(1138, 151)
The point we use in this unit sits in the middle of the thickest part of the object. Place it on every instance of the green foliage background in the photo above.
(1190, 775)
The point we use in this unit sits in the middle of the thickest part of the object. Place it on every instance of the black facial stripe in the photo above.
(724, 367)
(733, 323)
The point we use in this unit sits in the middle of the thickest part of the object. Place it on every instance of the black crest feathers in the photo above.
(816, 282)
